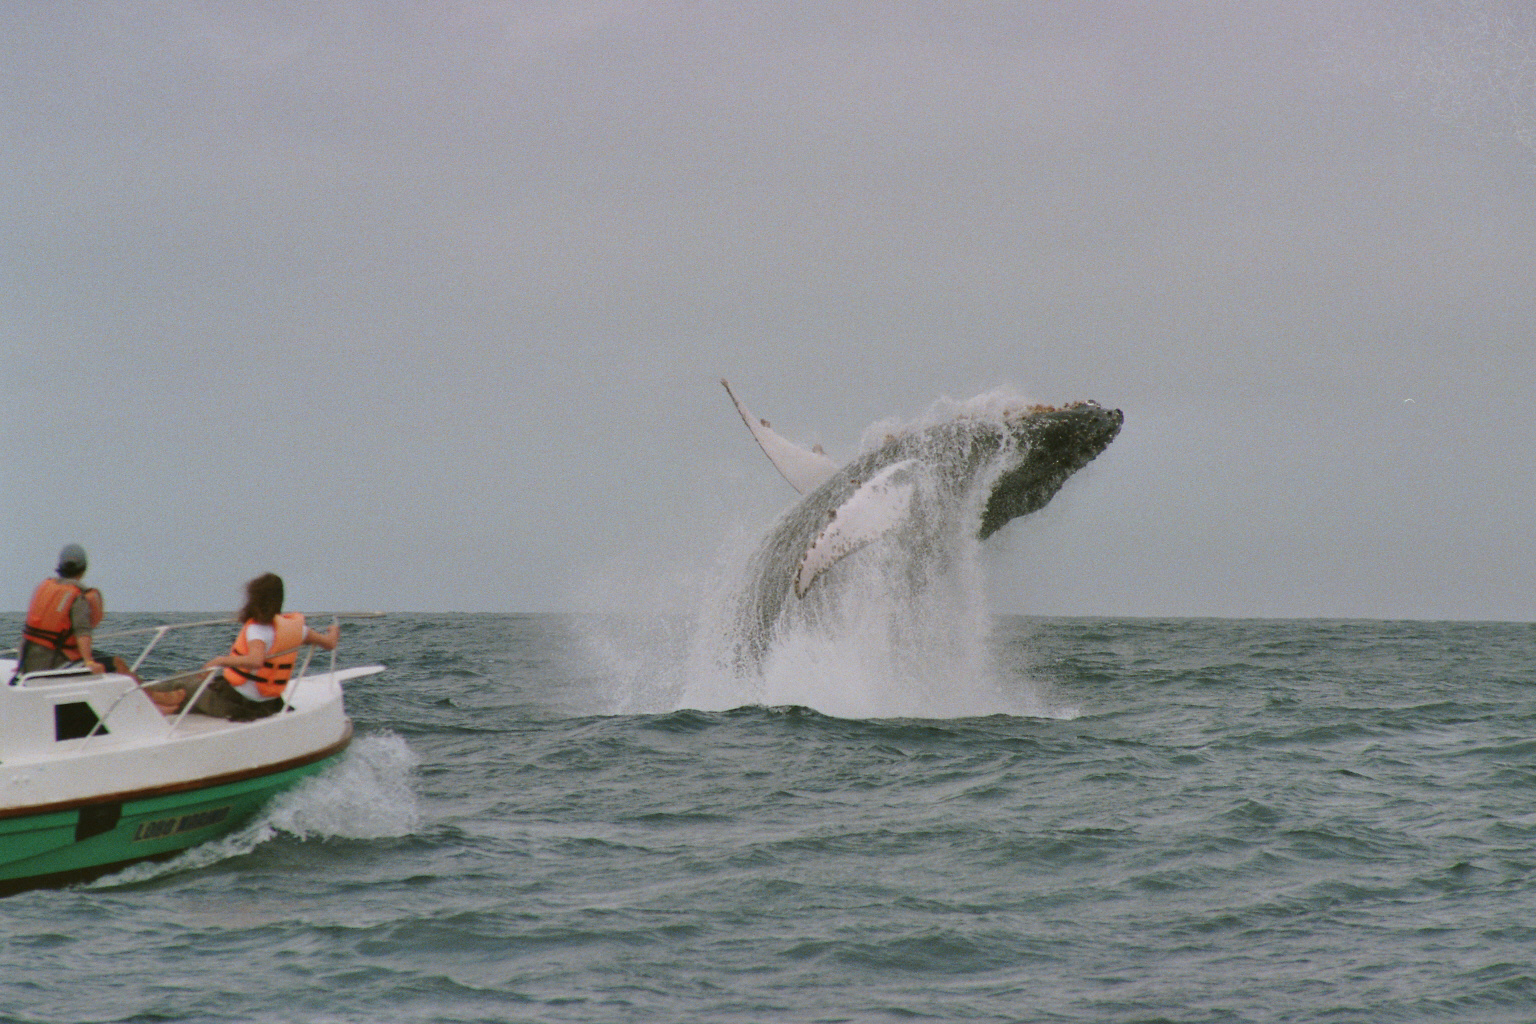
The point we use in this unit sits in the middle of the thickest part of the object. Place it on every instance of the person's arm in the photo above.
(250, 659)
(80, 621)
(326, 640)
(83, 641)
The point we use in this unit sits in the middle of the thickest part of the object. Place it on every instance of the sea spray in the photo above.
(368, 795)
(633, 664)
(899, 632)
(899, 628)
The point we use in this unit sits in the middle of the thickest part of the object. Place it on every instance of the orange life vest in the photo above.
(272, 677)
(48, 619)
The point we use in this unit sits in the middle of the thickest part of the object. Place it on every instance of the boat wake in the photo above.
(367, 794)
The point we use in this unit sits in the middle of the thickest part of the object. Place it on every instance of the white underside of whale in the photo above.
(878, 506)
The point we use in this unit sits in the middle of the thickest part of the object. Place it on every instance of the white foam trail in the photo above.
(366, 795)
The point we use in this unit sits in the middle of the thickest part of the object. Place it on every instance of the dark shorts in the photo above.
(220, 700)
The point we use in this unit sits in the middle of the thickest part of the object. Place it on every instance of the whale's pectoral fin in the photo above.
(877, 507)
(804, 468)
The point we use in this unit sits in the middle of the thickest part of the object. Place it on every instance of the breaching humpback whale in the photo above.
(971, 474)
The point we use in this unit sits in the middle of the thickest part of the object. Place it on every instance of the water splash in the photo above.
(366, 795)
(903, 631)
(891, 639)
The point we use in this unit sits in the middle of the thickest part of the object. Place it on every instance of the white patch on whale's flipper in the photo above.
(804, 468)
(879, 505)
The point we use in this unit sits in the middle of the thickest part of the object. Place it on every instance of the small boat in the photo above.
(93, 776)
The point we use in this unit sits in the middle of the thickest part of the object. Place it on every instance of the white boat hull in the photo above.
(93, 776)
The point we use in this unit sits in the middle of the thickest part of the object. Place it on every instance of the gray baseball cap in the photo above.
(71, 560)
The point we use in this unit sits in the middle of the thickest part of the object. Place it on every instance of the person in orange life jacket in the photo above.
(258, 665)
(63, 612)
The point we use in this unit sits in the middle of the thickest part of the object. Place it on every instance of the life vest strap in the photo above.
(249, 677)
(54, 638)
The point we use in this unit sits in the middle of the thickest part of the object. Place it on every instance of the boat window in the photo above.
(74, 721)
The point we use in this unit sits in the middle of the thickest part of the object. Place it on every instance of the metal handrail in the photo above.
(160, 631)
(101, 723)
(209, 675)
(165, 628)
(299, 673)
(157, 630)
(297, 676)
(190, 702)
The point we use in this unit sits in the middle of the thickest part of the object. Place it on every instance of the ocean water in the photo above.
(1183, 820)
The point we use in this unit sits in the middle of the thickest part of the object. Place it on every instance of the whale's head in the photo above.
(1053, 443)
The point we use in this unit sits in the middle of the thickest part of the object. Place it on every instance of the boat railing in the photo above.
(299, 673)
(159, 632)
(208, 676)
(213, 673)
(156, 633)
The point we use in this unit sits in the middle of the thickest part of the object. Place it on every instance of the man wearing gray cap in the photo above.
(60, 619)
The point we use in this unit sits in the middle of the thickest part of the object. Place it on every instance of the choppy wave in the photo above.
(1244, 822)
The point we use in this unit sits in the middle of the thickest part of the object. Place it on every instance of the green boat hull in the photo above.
(56, 847)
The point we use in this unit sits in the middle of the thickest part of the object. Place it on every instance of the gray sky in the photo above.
(424, 305)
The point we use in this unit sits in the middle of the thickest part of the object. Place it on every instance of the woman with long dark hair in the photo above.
(258, 665)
